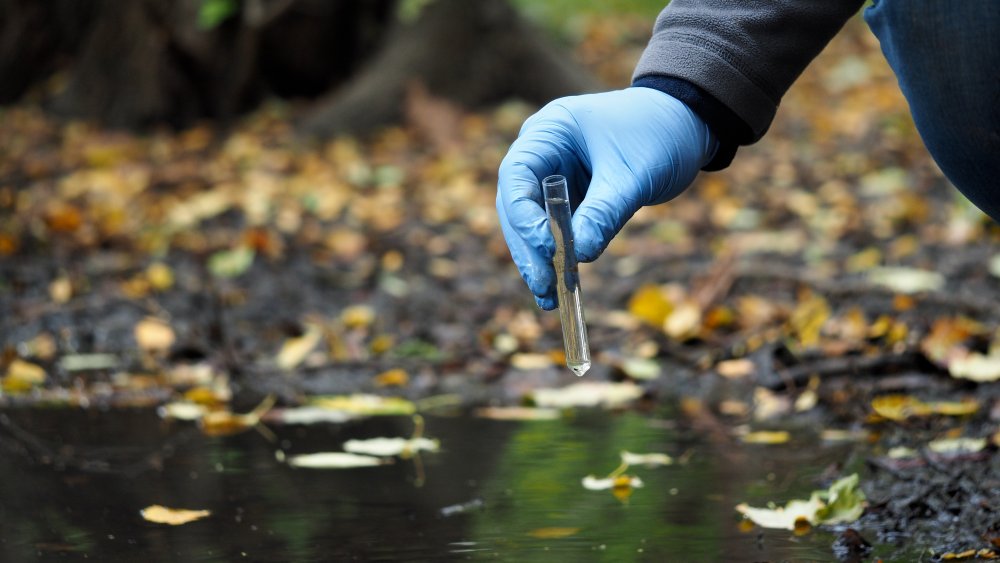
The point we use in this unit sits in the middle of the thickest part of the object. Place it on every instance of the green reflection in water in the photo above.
(538, 485)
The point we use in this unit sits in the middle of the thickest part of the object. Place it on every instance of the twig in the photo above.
(844, 365)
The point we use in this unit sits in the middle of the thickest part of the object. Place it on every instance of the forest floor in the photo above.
(830, 277)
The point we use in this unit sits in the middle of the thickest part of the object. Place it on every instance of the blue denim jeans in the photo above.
(946, 56)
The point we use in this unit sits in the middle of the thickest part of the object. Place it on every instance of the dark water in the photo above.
(492, 485)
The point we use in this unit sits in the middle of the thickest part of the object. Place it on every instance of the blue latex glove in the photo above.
(619, 151)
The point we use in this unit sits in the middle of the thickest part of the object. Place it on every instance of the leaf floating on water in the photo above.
(308, 415)
(982, 554)
(592, 483)
(906, 280)
(172, 516)
(517, 413)
(766, 437)
(182, 410)
(392, 378)
(334, 460)
(649, 460)
(364, 404)
(388, 447)
(553, 533)
(294, 350)
(225, 423)
(843, 502)
(588, 394)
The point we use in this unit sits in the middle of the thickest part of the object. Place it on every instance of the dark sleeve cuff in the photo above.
(729, 129)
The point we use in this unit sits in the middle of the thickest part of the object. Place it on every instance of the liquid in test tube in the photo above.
(556, 194)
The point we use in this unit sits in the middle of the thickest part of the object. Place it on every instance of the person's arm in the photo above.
(731, 61)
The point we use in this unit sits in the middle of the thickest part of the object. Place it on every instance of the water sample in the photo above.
(567, 275)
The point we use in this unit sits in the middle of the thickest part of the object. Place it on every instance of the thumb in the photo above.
(602, 213)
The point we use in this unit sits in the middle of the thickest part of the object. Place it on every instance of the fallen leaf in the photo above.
(154, 335)
(61, 290)
(517, 413)
(843, 502)
(553, 533)
(587, 394)
(906, 280)
(994, 265)
(684, 321)
(957, 446)
(392, 378)
(364, 404)
(22, 375)
(735, 369)
(294, 350)
(641, 368)
(649, 460)
(650, 304)
(182, 410)
(388, 447)
(902, 407)
(981, 368)
(225, 423)
(531, 361)
(334, 460)
(308, 415)
(766, 437)
(172, 516)
(357, 316)
(231, 263)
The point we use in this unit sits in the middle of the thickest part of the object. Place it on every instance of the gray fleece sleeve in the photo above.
(745, 54)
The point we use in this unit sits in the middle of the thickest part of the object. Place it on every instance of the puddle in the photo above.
(496, 490)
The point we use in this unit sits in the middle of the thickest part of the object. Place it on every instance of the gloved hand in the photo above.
(619, 151)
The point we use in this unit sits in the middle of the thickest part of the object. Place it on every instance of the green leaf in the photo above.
(845, 502)
(214, 12)
(231, 263)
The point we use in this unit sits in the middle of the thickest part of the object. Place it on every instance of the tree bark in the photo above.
(472, 53)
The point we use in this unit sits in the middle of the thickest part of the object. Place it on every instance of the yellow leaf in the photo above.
(650, 304)
(901, 407)
(357, 316)
(160, 276)
(392, 378)
(154, 335)
(684, 321)
(587, 394)
(530, 361)
(294, 350)
(766, 437)
(553, 533)
(22, 376)
(172, 516)
(808, 319)
(61, 290)
(225, 423)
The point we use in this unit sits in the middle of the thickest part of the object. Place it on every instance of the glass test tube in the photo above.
(556, 195)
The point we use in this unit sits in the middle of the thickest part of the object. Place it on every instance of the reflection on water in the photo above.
(492, 489)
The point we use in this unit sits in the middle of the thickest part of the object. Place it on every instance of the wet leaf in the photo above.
(225, 423)
(154, 335)
(22, 376)
(766, 437)
(388, 447)
(363, 404)
(649, 460)
(308, 415)
(735, 369)
(531, 361)
(294, 350)
(231, 263)
(392, 378)
(182, 410)
(981, 368)
(641, 368)
(553, 533)
(650, 304)
(592, 483)
(172, 516)
(843, 502)
(902, 407)
(517, 413)
(956, 446)
(587, 394)
(906, 280)
(334, 460)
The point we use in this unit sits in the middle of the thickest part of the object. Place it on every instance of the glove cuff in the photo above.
(728, 128)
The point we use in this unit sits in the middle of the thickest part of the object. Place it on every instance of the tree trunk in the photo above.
(473, 53)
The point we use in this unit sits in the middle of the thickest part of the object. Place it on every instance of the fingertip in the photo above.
(546, 303)
(589, 242)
